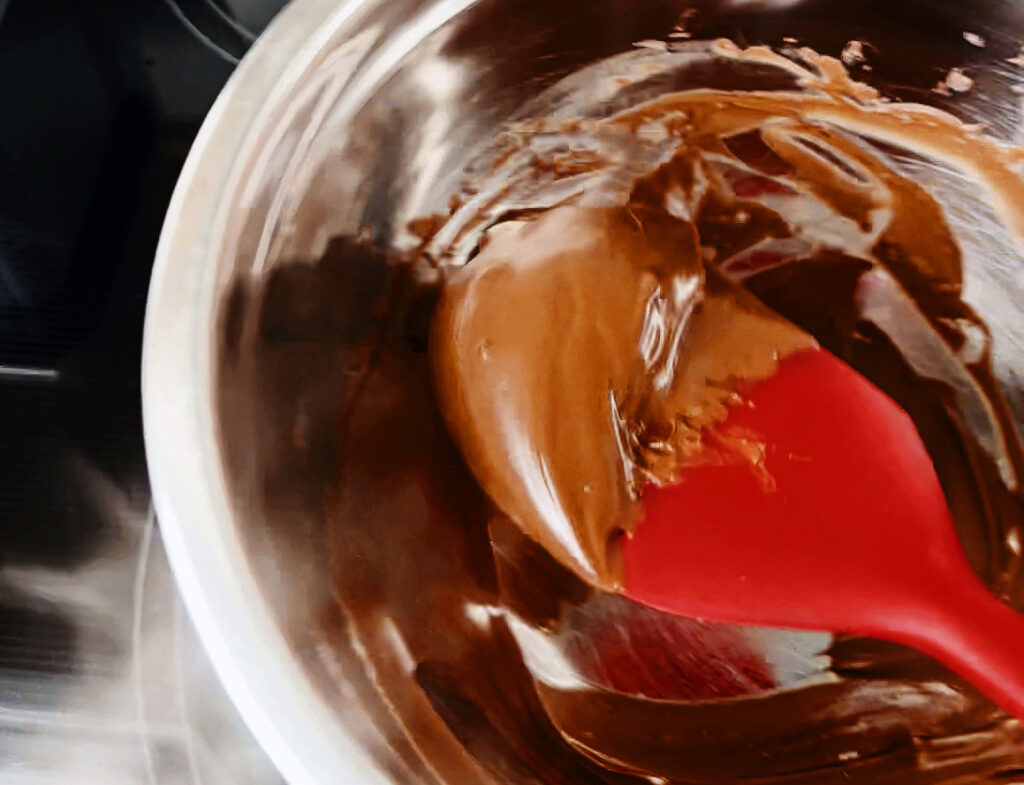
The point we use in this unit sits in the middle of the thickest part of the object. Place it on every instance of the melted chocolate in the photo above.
(498, 663)
(579, 355)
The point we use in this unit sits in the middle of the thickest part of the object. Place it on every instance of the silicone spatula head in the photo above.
(842, 527)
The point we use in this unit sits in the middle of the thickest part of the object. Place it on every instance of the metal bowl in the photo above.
(353, 118)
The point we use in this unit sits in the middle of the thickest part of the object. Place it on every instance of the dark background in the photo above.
(99, 103)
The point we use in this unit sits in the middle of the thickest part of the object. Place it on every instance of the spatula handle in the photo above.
(980, 637)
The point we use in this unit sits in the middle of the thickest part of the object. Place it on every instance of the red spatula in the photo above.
(851, 533)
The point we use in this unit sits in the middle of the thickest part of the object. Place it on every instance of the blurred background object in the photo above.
(101, 677)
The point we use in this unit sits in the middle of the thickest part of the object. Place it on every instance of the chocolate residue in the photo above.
(493, 659)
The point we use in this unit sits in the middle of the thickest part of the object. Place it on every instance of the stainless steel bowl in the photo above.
(354, 117)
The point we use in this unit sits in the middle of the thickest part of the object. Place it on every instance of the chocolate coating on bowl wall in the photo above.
(486, 659)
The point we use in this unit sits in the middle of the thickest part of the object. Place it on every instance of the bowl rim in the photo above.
(265, 680)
